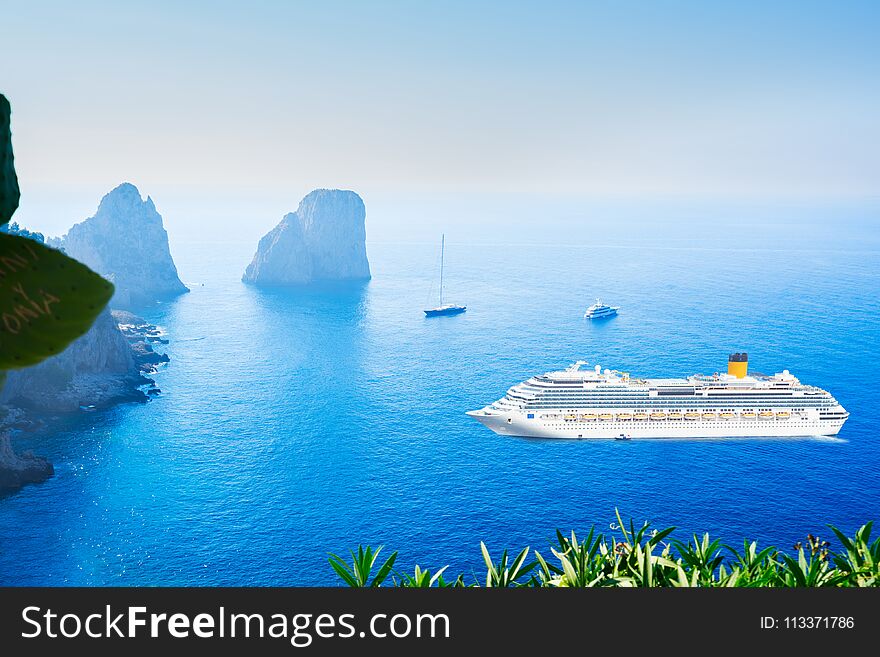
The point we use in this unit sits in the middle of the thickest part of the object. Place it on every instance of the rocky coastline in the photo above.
(126, 242)
(107, 366)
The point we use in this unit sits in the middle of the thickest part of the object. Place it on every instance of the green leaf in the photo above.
(486, 558)
(9, 192)
(47, 300)
(342, 571)
(659, 536)
(384, 570)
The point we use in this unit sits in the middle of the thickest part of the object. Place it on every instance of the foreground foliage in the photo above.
(47, 299)
(644, 557)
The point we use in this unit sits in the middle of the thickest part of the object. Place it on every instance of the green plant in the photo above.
(422, 579)
(860, 563)
(812, 571)
(9, 192)
(358, 574)
(754, 568)
(642, 558)
(506, 573)
(47, 299)
(581, 563)
(703, 557)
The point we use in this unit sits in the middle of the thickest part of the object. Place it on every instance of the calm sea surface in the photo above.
(292, 423)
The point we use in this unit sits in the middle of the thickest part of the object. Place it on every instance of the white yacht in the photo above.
(600, 311)
(592, 403)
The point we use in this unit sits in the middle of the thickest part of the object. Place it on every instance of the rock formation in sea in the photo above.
(126, 243)
(324, 240)
(16, 469)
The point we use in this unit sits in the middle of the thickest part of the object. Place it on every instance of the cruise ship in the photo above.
(580, 402)
(600, 310)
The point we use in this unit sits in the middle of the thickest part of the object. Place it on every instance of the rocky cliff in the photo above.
(98, 369)
(325, 239)
(16, 469)
(105, 366)
(126, 242)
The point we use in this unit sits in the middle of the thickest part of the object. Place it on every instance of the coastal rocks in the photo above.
(141, 336)
(104, 367)
(126, 243)
(96, 370)
(324, 240)
(16, 470)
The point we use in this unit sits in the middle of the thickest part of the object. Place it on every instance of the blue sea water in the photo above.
(293, 423)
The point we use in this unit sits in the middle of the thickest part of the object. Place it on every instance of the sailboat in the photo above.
(448, 308)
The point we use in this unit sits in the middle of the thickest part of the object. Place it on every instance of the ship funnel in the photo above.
(738, 365)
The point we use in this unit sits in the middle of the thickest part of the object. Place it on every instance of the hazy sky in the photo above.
(670, 98)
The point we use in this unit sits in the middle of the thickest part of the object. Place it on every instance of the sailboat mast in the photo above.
(442, 250)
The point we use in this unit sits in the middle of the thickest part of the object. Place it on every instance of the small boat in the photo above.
(589, 417)
(444, 308)
(708, 416)
(624, 416)
(571, 417)
(691, 416)
(606, 416)
(660, 415)
(623, 436)
(675, 415)
(600, 311)
(640, 416)
(726, 416)
(783, 415)
(765, 415)
(748, 415)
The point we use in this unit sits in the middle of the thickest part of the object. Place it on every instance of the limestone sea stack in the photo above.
(126, 243)
(324, 240)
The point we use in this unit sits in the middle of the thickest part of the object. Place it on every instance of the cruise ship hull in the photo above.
(517, 424)
(576, 403)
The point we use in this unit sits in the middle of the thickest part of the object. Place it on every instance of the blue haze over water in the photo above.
(296, 423)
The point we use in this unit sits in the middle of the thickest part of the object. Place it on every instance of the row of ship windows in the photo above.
(729, 410)
(569, 393)
(631, 404)
(591, 393)
(588, 395)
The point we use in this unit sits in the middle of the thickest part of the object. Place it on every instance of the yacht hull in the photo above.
(441, 312)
